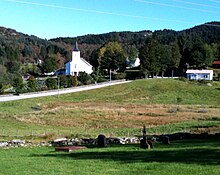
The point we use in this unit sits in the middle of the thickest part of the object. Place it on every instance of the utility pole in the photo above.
(58, 86)
(110, 76)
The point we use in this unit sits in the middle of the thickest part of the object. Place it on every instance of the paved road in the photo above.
(58, 92)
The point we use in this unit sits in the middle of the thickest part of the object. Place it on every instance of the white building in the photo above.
(137, 62)
(77, 64)
(199, 74)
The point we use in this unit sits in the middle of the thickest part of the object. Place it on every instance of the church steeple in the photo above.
(76, 48)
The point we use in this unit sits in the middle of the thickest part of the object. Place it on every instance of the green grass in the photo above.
(154, 91)
(18, 119)
(180, 157)
(140, 92)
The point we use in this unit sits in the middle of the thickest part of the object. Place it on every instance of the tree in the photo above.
(11, 53)
(164, 56)
(209, 55)
(1, 88)
(49, 64)
(94, 61)
(185, 46)
(2, 70)
(149, 56)
(13, 66)
(69, 80)
(43, 51)
(62, 80)
(111, 57)
(75, 80)
(199, 53)
(175, 58)
(27, 51)
(132, 55)
(18, 85)
(32, 85)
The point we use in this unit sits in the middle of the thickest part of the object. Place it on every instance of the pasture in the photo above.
(163, 106)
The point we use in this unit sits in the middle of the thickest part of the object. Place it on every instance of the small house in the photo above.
(216, 64)
(199, 74)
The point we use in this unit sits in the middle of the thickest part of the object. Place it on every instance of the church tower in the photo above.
(76, 52)
(75, 59)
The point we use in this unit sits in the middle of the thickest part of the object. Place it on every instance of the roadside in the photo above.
(59, 91)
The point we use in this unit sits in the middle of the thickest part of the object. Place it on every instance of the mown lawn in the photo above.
(180, 157)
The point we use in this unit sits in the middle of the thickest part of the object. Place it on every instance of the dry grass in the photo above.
(108, 115)
(120, 109)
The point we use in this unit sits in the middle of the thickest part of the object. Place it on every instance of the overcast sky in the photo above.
(71, 18)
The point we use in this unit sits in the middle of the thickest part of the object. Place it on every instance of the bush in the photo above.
(18, 85)
(101, 79)
(63, 81)
(119, 76)
(182, 79)
(69, 81)
(204, 81)
(85, 78)
(32, 85)
(134, 74)
(75, 81)
(51, 83)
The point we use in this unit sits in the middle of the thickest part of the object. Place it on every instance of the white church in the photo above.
(77, 64)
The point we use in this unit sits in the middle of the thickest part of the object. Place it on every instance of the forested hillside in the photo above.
(197, 46)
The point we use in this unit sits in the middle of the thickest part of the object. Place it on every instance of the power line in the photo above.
(176, 6)
(115, 14)
(96, 11)
(215, 1)
(197, 4)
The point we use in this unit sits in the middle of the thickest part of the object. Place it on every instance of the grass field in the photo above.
(180, 157)
(163, 105)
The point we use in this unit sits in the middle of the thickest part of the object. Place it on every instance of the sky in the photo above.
(48, 19)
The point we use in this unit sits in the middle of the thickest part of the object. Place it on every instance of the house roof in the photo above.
(86, 62)
(199, 71)
(216, 62)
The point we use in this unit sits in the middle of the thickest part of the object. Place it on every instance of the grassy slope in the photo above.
(141, 92)
(181, 157)
(155, 91)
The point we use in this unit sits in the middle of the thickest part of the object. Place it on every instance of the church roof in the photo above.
(76, 48)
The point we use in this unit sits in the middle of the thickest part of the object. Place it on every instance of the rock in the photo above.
(3, 144)
(165, 140)
(101, 141)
